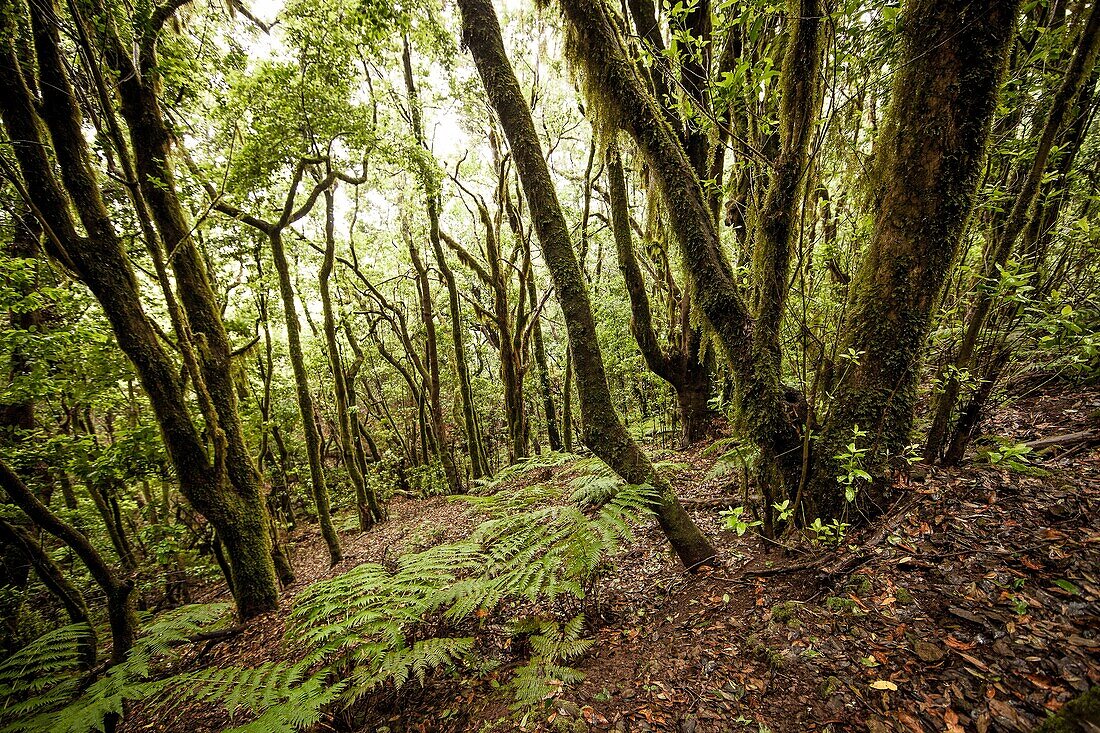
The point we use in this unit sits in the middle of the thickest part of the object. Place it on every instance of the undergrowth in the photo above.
(519, 582)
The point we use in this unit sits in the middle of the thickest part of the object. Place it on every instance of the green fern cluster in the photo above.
(549, 459)
(43, 688)
(545, 673)
(373, 625)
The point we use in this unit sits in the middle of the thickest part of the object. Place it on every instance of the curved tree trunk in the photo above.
(365, 502)
(604, 432)
(305, 399)
(479, 463)
(680, 365)
(120, 614)
(226, 490)
(52, 577)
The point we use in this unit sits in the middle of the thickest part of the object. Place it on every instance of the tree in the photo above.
(604, 431)
(224, 486)
(748, 334)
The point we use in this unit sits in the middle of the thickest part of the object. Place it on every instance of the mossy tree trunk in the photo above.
(679, 364)
(120, 613)
(226, 489)
(274, 232)
(614, 81)
(929, 157)
(368, 509)
(604, 431)
(34, 555)
(1023, 212)
(435, 425)
(553, 433)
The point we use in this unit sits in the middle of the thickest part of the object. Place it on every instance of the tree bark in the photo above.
(305, 400)
(929, 157)
(225, 491)
(52, 577)
(1022, 212)
(479, 463)
(679, 365)
(366, 503)
(123, 621)
(604, 432)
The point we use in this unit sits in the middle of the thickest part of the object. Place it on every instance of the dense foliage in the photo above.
(269, 266)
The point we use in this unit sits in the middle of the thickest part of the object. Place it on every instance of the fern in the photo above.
(376, 625)
(545, 674)
(371, 626)
(43, 689)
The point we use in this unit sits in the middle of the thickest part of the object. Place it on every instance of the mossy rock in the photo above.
(829, 687)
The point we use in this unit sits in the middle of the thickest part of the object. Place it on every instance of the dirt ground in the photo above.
(971, 606)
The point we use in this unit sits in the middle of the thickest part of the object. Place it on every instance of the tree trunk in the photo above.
(604, 432)
(52, 577)
(479, 464)
(679, 365)
(1023, 210)
(929, 157)
(120, 614)
(553, 434)
(305, 399)
(365, 503)
(435, 425)
(227, 491)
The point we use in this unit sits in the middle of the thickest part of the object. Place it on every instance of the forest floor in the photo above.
(971, 606)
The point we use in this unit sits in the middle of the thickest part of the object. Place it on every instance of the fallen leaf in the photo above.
(884, 685)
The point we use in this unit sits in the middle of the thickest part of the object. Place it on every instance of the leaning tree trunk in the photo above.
(120, 614)
(928, 161)
(51, 576)
(479, 463)
(616, 84)
(604, 431)
(1023, 209)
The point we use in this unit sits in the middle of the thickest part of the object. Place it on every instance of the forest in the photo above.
(550, 365)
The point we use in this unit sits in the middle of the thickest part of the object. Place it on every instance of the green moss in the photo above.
(829, 686)
(837, 603)
(784, 612)
(1074, 715)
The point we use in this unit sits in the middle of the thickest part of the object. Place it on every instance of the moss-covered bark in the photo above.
(479, 462)
(305, 399)
(225, 490)
(604, 432)
(928, 160)
(681, 363)
(615, 84)
(550, 412)
(367, 507)
(1022, 213)
(1080, 715)
(31, 552)
(120, 613)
